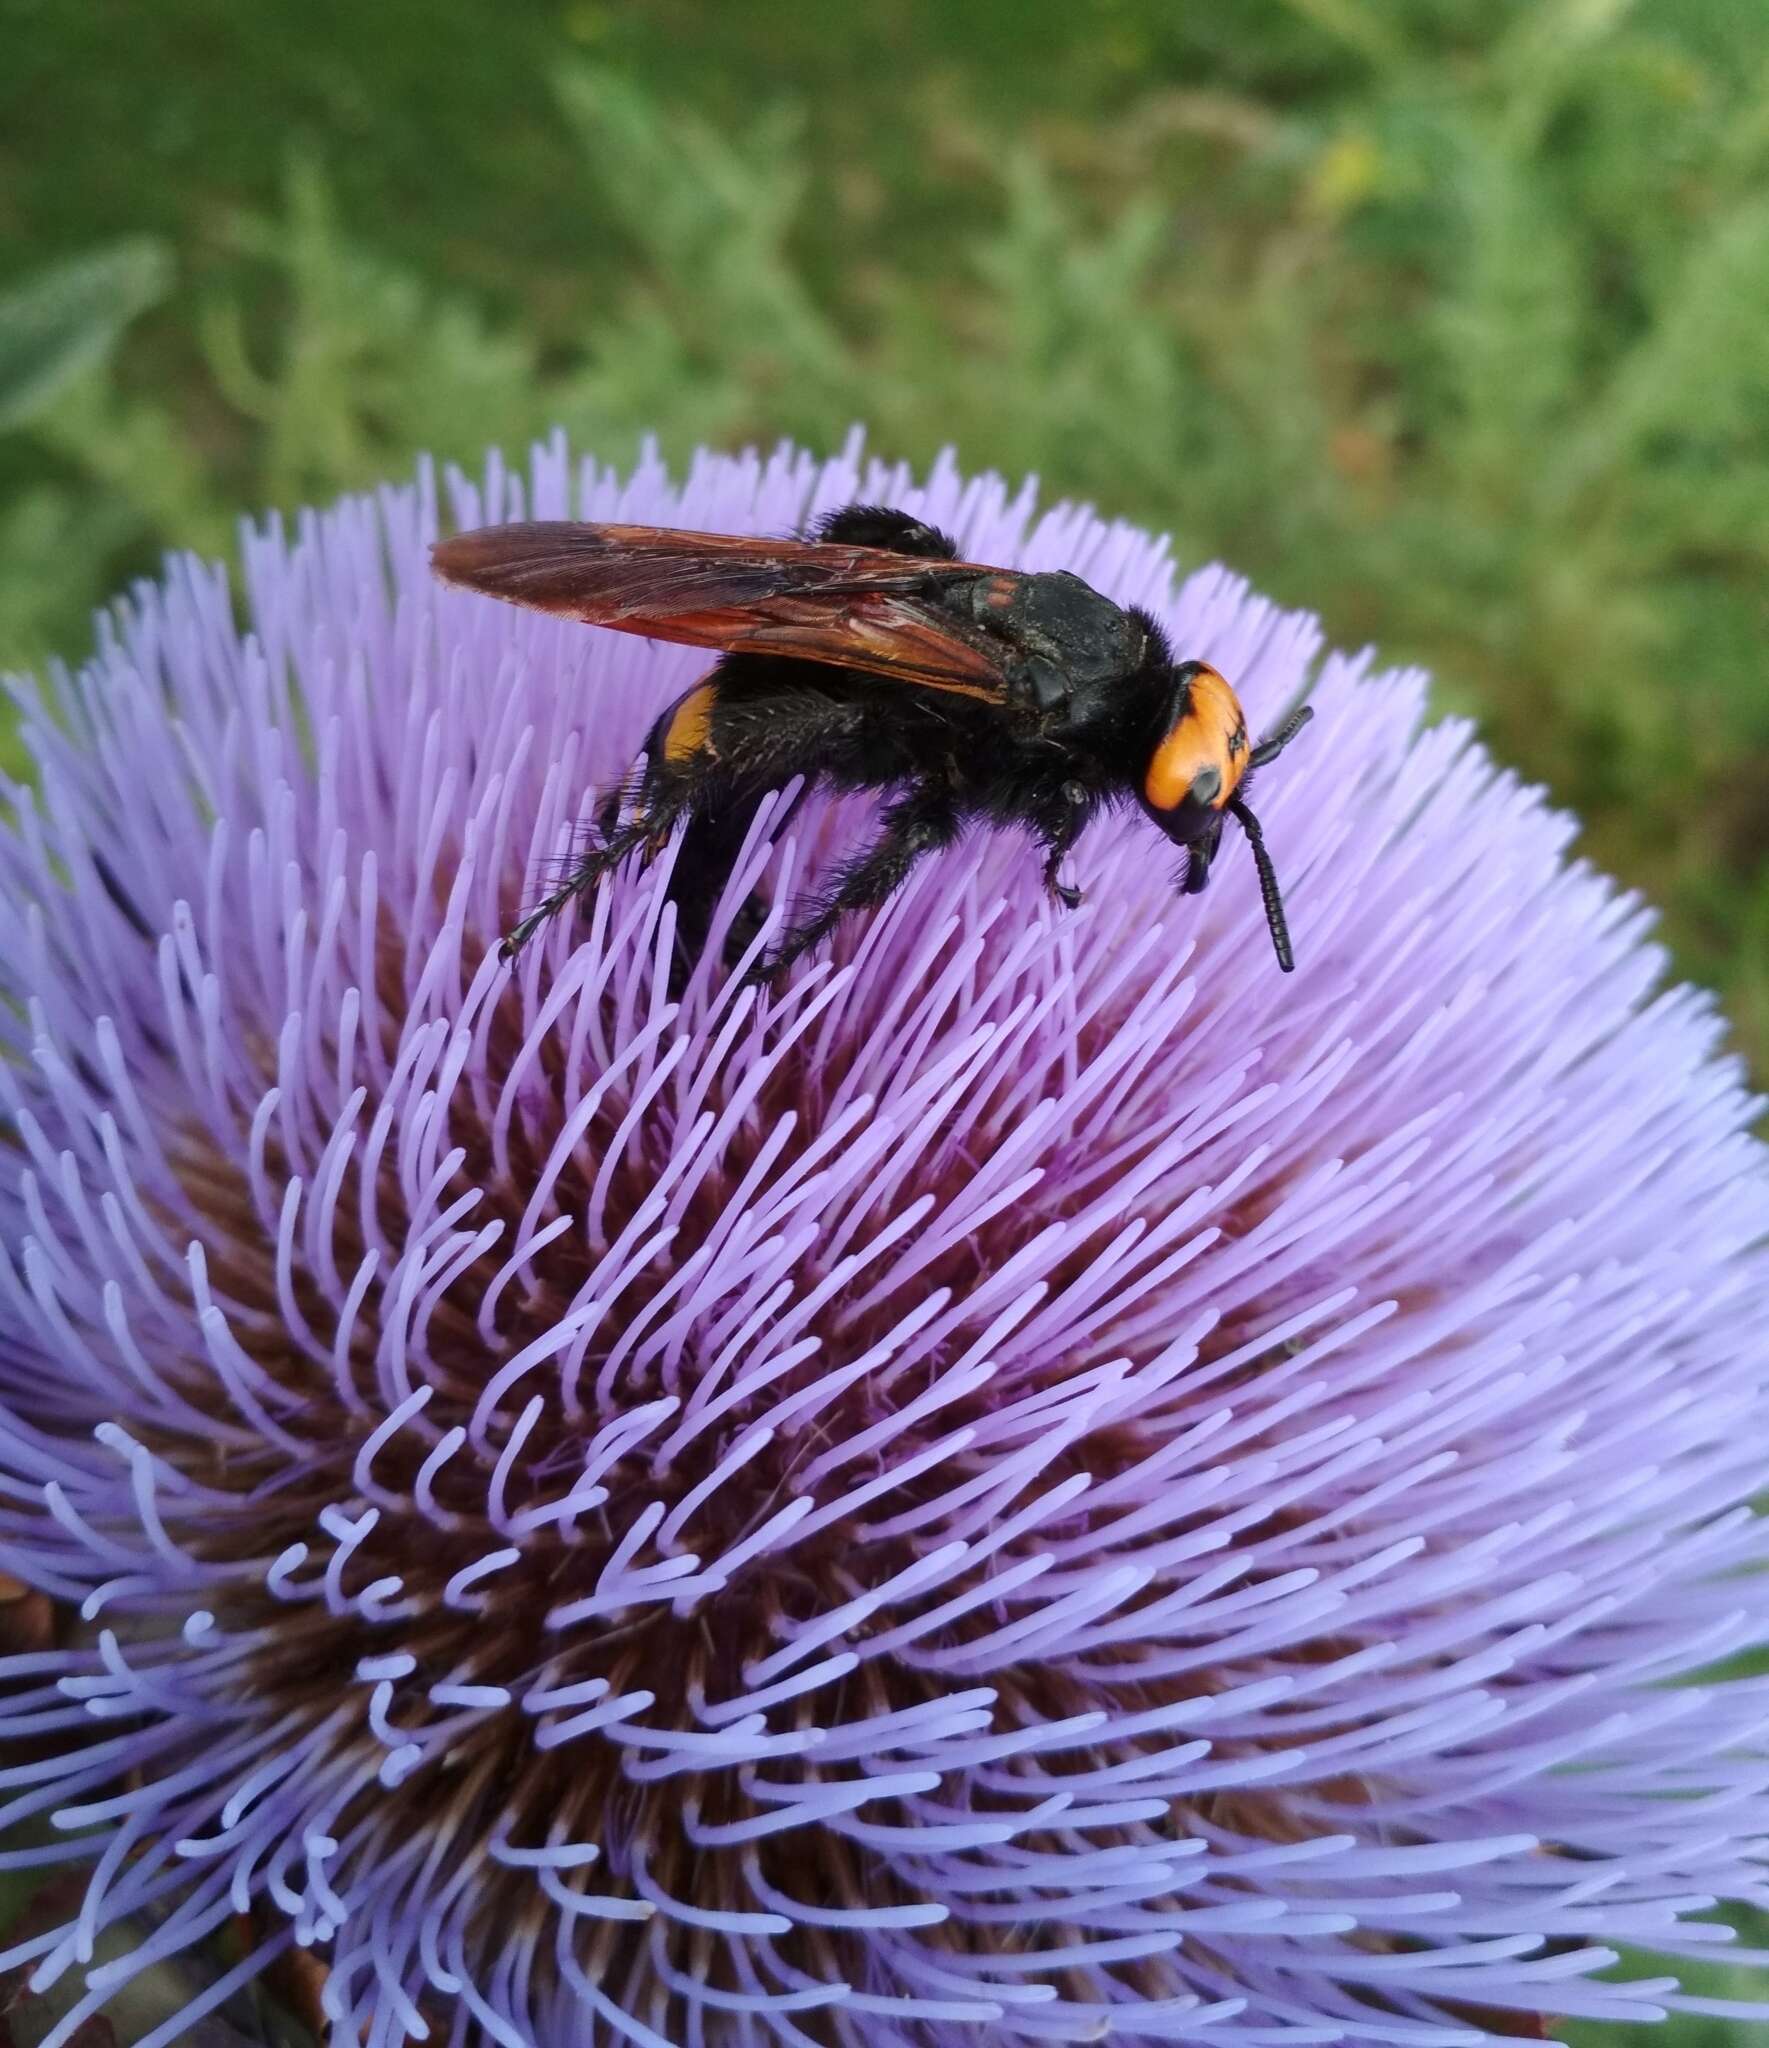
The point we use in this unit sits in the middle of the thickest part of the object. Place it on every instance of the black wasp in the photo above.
(870, 657)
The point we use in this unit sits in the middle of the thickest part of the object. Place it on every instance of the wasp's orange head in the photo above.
(1199, 756)
(1194, 780)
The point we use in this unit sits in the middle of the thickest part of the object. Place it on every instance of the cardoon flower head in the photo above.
(1044, 1481)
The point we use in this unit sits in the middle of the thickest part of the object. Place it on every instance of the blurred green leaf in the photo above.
(67, 317)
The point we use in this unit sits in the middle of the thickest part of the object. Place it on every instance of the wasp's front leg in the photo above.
(1059, 825)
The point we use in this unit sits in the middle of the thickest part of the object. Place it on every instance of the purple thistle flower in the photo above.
(1047, 1481)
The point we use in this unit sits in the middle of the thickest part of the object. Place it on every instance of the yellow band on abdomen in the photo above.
(690, 725)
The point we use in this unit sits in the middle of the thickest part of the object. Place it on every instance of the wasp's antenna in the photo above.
(1268, 879)
(1270, 749)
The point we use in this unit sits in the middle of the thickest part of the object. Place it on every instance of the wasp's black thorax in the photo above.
(1072, 647)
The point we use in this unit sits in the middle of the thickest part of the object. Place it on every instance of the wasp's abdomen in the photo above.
(685, 730)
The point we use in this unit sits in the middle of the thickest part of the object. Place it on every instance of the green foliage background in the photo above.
(1448, 318)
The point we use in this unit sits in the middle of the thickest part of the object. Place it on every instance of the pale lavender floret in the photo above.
(1047, 1481)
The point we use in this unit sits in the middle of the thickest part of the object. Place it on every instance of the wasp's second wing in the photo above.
(859, 607)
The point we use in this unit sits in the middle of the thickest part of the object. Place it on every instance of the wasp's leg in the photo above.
(649, 827)
(689, 775)
(772, 727)
(1058, 827)
(915, 825)
(711, 845)
(613, 802)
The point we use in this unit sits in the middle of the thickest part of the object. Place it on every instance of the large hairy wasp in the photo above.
(870, 657)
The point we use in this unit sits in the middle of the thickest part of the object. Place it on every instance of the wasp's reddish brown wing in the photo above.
(860, 607)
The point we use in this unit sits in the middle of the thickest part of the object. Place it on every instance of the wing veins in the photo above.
(857, 607)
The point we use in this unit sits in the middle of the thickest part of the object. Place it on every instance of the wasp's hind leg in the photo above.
(915, 825)
(667, 784)
(648, 828)
(775, 727)
(711, 847)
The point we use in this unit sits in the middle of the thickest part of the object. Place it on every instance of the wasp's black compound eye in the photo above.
(1206, 785)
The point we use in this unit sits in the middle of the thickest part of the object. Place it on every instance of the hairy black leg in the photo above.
(777, 734)
(1059, 827)
(914, 825)
(704, 861)
(649, 827)
(608, 810)
(709, 852)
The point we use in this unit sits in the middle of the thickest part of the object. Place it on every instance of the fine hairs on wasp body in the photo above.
(869, 657)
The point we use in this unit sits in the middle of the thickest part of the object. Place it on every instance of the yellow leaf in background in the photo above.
(1347, 172)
